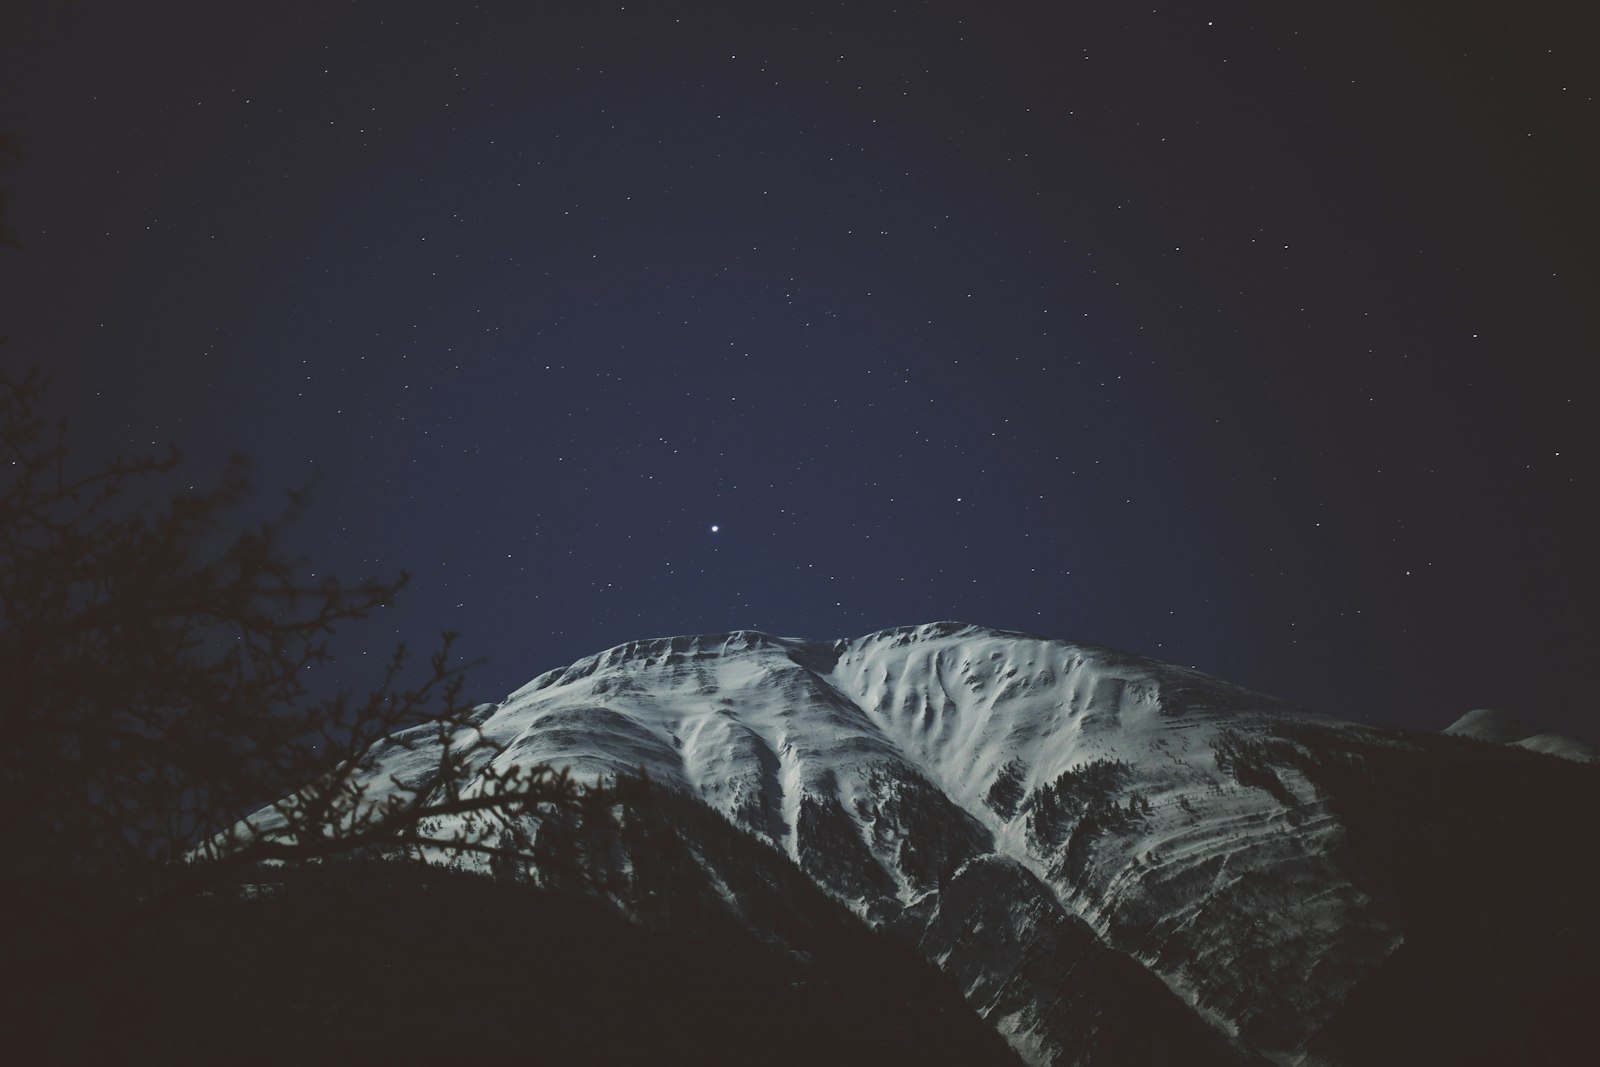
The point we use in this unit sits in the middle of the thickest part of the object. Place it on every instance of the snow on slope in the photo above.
(1230, 895)
(889, 764)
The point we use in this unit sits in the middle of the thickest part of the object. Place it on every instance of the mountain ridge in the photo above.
(1180, 822)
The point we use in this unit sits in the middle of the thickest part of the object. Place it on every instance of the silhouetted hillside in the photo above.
(361, 962)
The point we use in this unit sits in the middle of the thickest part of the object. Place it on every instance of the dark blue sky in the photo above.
(1247, 336)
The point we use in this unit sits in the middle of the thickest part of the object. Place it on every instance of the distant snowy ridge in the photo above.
(1501, 727)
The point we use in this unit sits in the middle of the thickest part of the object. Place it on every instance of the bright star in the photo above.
(714, 529)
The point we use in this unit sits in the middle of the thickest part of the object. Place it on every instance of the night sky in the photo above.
(1246, 336)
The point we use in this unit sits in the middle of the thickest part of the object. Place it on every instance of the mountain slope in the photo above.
(1078, 836)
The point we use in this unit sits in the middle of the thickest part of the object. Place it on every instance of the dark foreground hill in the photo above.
(367, 963)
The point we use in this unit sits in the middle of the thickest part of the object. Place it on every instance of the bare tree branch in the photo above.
(155, 653)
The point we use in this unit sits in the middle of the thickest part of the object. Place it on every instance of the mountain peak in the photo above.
(1019, 807)
(886, 764)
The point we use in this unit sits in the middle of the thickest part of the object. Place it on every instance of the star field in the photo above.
(1248, 337)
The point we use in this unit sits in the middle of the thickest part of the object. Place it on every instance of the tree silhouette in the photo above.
(155, 651)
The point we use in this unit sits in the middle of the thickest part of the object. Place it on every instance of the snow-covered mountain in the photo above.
(1097, 847)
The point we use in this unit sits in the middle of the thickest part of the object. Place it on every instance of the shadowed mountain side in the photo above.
(1484, 855)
